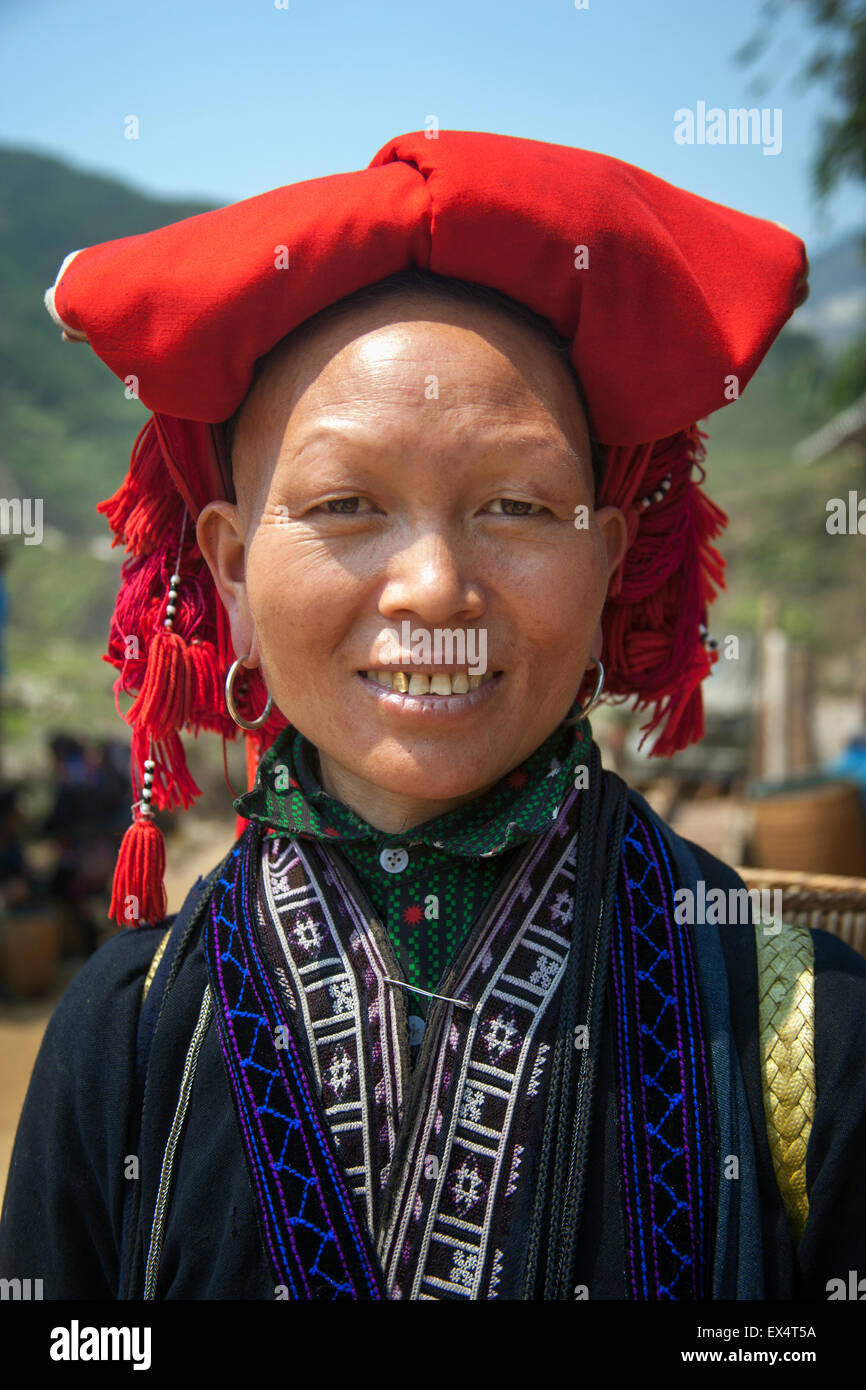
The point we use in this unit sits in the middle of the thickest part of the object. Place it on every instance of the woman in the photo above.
(418, 471)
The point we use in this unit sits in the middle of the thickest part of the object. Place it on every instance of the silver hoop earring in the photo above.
(596, 696)
(232, 707)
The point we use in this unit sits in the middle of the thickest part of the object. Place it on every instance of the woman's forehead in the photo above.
(410, 353)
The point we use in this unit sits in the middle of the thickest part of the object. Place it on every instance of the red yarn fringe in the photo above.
(669, 575)
(163, 705)
(138, 889)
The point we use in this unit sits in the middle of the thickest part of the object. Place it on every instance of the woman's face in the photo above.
(421, 464)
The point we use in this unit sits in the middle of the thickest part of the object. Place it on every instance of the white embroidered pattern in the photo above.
(545, 972)
(467, 1187)
(473, 1104)
(307, 934)
(340, 1071)
(341, 996)
(562, 908)
(500, 1036)
(464, 1267)
(515, 1164)
(496, 1273)
(541, 1058)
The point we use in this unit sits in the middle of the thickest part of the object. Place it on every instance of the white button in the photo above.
(394, 860)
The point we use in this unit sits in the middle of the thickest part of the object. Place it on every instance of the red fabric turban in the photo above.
(670, 302)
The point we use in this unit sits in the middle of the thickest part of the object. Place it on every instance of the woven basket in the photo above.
(814, 830)
(828, 901)
(30, 950)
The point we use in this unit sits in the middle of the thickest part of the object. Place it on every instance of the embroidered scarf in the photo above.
(371, 1182)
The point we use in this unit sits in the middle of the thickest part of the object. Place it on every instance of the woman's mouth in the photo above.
(431, 692)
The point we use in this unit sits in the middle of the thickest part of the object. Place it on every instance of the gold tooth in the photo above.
(400, 681)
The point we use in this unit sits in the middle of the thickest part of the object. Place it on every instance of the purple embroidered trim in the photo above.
(314, 1238)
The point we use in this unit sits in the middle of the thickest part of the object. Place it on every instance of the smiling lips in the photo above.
(429, 683)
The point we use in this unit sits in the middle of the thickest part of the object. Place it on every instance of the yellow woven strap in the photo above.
(157, 957)
(786, 1012)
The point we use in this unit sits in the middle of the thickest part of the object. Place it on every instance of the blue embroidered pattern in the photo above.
(665, 1105)
(314, 1238)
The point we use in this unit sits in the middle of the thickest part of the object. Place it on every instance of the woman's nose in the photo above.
(430, 578)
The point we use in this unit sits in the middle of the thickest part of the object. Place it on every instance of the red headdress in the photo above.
(670, 303)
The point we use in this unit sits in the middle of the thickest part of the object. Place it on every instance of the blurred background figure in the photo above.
(86, 822)
(17, 881)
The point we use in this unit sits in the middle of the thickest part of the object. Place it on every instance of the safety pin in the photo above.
(461, 1003)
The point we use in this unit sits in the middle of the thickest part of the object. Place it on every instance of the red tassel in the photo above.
(173, 783)
(138, 889)
(163, 703)
(206, 695)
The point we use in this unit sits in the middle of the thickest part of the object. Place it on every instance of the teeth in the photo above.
(419, 683)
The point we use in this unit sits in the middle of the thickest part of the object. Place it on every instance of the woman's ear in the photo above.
(222, 542)
(614, 528)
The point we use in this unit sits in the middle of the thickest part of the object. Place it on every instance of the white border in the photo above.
(70, 335)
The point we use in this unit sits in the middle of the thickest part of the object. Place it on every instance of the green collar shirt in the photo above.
(429, 884)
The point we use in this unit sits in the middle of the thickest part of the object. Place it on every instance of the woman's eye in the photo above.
(344, 506)
(511, 503)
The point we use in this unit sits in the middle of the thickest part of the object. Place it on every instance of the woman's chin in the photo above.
(412, 775)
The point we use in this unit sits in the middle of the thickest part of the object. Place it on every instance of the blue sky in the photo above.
(235, 97)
